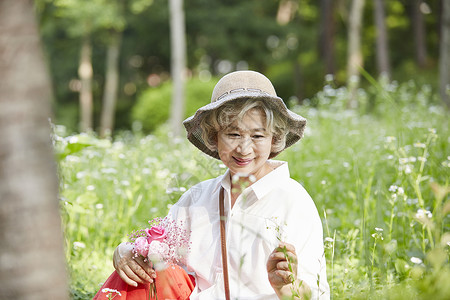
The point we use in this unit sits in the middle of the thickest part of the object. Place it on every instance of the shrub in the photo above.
(153, 105)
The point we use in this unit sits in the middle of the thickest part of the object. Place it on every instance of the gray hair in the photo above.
(225, 115)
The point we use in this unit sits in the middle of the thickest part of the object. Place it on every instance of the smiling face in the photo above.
(244, 146)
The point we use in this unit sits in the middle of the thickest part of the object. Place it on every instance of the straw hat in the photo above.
(244, 85)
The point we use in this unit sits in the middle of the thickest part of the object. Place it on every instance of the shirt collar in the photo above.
(264, 185)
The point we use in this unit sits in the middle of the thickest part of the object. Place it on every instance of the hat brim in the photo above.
(296, 123)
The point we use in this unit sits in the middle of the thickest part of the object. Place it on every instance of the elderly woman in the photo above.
(255, 232)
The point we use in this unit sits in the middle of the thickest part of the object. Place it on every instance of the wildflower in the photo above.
(432, 130)
(390, 139)
(329, 239)
(412, 159)
(421, 159)
(416, 260)
(98, 206)
(403, 160)
(323, 182)
(329, 77)
(419, 145)
(408, 169)
(393, 188)
(378, 229)
(421, 213)
(390, 157)
(77, 245)
(107, 290)
(90, 187)
(401, 191)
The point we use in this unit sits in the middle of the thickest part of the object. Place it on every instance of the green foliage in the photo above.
(153, 105)
(380, 181)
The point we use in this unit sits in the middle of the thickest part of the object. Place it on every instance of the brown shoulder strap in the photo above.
(224, 244)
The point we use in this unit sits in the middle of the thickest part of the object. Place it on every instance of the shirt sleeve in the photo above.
(304, 231)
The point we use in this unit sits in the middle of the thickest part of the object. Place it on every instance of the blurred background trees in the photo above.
(109, 59)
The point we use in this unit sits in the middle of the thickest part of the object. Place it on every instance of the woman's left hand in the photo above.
(282, 266)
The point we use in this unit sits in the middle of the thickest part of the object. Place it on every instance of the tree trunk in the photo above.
(419, 34)
(178, 64)
(286, 11)
(111, 86)
(31, 249)
(444, 64)
(355, 58)
(86, 73)
(327, 35)
(382, 52)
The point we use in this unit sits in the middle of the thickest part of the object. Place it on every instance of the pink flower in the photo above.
(156, 233)
(141, 246)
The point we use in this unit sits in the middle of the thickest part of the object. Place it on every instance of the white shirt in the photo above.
(275, 206)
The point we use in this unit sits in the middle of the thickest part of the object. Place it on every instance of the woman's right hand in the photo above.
(133, 270)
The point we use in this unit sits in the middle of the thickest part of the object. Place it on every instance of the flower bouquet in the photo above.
(164, 244)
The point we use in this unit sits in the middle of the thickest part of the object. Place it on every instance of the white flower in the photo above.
(421, 213)
(378, 229)
(77, 245)
(422, 159)
(408, 169)
(329, 239)
(419, 145)
(401, 191)
(403, 160)
(390, 139)
(416, 260)
(107, 290)
(323, 182)
(393, 188)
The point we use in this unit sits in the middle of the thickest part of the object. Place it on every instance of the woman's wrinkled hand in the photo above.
(133, 270)
(282, 266)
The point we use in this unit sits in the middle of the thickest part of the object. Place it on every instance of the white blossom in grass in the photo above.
(421, 159)
(99, 206)
(323, 182)
(378, 235)
(432, 130)
(79, 245)
(422, 213)
(90, 187)
(403, 160)
(390, 139)
(408, 169)
(393, 188)
(401, 191)
(412, 159)
(390, 157)
(419, 145)
(416, 260)
(329, 239)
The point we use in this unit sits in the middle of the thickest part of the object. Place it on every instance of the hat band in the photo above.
(239, 90)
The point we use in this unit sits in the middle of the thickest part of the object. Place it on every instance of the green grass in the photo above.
(379, 176)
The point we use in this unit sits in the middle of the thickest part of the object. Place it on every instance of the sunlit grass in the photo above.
(379, 176)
